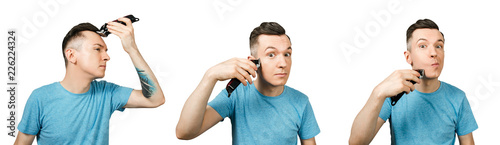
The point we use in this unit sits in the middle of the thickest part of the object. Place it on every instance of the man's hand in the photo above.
(126, 33)
(238, 68)
(397, 82)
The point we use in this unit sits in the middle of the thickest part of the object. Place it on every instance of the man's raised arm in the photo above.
(151, 94)
(196, 116)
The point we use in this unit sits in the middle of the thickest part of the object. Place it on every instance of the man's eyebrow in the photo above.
(423, 39)
(99, 45)
(270, 47)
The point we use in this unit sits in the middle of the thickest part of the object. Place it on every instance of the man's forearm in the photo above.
(149, 84)
(148, 87)
(364, 126)
(193, 112)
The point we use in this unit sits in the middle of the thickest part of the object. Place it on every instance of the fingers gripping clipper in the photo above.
(396, 98)
(233, 83)
(104, 28)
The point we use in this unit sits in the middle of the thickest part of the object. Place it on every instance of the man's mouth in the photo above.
(280, 74)
(435, 64)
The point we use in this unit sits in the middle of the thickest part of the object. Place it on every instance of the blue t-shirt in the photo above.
(259, 119)
(57, 116)
(429, 118)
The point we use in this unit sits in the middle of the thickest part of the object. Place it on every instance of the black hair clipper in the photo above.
(396, 98)
(104, 28)
(233, 83)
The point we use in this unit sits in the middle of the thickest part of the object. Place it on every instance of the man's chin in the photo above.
(432, 75)
(279, 83)
(99, 76)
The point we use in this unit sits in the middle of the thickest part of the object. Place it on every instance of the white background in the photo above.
(182, 39)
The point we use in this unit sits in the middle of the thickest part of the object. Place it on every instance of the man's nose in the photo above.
(282, 62)
(105, 56)
(433, 52)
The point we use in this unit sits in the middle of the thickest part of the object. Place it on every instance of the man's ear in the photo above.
(251, 58)
(70, 55)
(408, 58)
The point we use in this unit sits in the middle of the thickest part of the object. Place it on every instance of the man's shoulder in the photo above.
(452, 90)
(47, 88)
(45, 91)
(453, 94)
(296, 93)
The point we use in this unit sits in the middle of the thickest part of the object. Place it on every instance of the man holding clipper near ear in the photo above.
(431, 111)
(77, 109)
(264, 111)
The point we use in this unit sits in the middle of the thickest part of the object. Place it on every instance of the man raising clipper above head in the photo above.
(431, 111)
(264, 111)
(77, 109)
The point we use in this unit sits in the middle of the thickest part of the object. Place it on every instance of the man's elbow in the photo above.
(357, 141)
(354, 142)
(158, 102)
(183, 134)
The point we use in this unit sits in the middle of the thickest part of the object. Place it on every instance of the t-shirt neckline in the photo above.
(432, 93)
(59, 85)
(264, 96)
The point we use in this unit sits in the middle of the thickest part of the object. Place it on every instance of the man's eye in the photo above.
(98, 49)
(271, 55)
(439, 46)
(422, 46)
(288, 54)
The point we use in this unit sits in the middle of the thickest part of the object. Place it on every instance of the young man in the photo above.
(77, 109)
(431, 111)
(265, 111)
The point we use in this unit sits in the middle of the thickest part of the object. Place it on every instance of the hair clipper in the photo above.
(233, 83)
(104, 28)
(396, 98)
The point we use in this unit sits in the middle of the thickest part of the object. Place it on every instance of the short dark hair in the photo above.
(420, 24)
(74, 33)
(268, 28)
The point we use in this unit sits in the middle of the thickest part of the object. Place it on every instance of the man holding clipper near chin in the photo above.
(431, 111)
(264, 111)
(77, 109)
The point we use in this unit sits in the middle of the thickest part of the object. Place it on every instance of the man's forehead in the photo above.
(274, 42)
(93, 38)
(427, 35)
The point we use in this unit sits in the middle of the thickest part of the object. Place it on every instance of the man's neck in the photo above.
(267, 89)
(75, 83)
(428, 85)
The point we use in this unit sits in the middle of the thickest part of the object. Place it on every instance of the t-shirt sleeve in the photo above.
(309, 127)
(30, 123)
(466, 123)
(119, 95)
(223, 104)
(385, 112)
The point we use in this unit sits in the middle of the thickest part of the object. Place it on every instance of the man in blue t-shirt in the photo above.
(431, 111)
(77, 109)
(265, 111)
